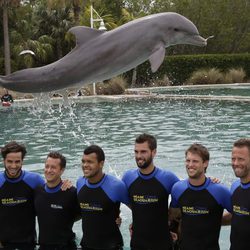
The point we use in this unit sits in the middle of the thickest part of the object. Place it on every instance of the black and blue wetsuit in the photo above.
(148, 196)
(56, 211)
(100, 207)
(202, 208)
(17, 213)
(240, 225)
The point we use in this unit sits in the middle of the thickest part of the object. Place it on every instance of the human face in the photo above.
(195, 166)
(53, 171)
(13, 164)
(144, 155)
(241, 163)
(92, 169)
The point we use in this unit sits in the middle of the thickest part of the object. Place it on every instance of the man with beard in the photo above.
(149, 188)
(99, 197)
(17, 213)
(200, 202)
(240, 195)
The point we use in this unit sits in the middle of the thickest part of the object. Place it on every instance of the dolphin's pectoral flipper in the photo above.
(157, 58)
(84, 34)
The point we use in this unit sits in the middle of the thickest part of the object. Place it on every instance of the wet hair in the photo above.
(13, 147)
(97, 150)
(200, 150)
(57, 155)
(150, 139)
(243, 142)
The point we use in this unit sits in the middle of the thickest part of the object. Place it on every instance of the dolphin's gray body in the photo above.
(102, 55)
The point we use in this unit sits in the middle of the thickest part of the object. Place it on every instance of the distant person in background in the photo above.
(56, 210)
(17, 212)
(200, 203)
(7, 97)
(99, 196)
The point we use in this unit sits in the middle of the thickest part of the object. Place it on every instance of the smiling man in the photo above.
(17, 213)
(200, 202)
(149, 188)
(240, 192)
(56, 210)
(99, 196)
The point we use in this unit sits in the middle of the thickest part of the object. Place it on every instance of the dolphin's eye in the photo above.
(175, 29)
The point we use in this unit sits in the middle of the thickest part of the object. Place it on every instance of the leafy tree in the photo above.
(5, 4)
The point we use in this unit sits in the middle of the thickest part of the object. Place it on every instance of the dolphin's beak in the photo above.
(199, 40)
(202, 41)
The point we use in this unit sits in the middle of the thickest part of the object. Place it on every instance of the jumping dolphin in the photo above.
(101, 55)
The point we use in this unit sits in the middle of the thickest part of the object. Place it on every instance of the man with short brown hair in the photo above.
(17, 213)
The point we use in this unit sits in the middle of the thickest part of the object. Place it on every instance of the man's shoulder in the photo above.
(164, 172)
(180, 186)
(113, 179)
(130, 176)
(33, 179)
(131, 172)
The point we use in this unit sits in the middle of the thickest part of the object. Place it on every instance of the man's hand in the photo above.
(118, 221)
(66, 184)
(214, 179)
(174, 236)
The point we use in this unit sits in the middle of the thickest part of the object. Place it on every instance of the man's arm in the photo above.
(226, 219)
(174, 214)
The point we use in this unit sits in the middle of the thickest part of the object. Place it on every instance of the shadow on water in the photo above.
(114, 126)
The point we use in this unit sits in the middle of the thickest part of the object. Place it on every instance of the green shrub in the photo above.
(115, 86)
(180, 68)
(206, 76)
(235, 76)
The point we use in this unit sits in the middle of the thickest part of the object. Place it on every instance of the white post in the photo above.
(92, 26)
(102, 27)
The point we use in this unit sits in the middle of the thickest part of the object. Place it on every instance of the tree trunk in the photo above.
(6, 41)
(134, 76)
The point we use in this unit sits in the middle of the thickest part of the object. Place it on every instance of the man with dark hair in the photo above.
(240, 193)
(99, 196)
(17, 213)
(200, 202)
(149, 188)
(56, 210)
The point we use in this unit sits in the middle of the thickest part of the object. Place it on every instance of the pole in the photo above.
(92, 26)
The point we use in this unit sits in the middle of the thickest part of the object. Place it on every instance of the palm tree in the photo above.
(75, 4)
(5, 4)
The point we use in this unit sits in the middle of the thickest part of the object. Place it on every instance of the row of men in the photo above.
(196, 201)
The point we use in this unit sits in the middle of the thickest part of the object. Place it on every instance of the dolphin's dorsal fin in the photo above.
(84, 34)
(157, 58)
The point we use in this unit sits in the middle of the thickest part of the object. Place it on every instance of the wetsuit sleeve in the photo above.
(167, 179)
(177, 190)
(116, 190)
(234, 186)
(2, 179)
(222, 195)
(80, 183)
(33, 179)
(129, 177)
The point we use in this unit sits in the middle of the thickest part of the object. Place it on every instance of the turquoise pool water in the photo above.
(114, 126)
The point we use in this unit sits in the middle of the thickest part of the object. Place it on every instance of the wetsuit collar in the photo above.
(200, 187)
(97, 184)
(54, 189)
(148, 176)
(14, 180)
(245, 185)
